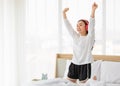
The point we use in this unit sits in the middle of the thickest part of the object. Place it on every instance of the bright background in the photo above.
(32, 32)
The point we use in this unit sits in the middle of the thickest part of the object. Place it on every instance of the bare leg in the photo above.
(94, 78)
(84, 81)
(72, 80)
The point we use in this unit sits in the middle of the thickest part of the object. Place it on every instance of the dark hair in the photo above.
(86, 24)
(85, 21)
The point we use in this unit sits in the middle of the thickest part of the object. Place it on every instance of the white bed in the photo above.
(105, 67)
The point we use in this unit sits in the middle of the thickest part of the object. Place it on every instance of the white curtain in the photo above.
(1, 43)
(41, 38)
(11, 48)
(32, 32)
(112, 27)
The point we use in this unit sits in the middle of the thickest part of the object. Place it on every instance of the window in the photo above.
(41, 37)
(112, 27)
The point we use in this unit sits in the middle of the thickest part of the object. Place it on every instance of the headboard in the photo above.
(61, 61)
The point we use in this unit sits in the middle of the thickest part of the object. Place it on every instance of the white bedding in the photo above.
(109, 84)
(53, 82)
(107, 73)
(64, 82)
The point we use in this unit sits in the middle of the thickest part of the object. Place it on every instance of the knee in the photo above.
(72, 80)
(83, 81)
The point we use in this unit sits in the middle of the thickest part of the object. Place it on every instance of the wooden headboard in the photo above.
(61, 61)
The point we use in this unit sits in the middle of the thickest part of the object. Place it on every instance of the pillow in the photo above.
(67, 68)
(110, 72)
(96, 68)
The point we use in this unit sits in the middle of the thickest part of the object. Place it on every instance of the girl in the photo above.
(83, 40)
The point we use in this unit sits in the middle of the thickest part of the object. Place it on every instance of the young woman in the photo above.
(83, 40)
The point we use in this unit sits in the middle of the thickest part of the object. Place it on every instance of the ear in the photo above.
(86, 26)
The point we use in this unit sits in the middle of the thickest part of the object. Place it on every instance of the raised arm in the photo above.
(68, 25)
(92, 18)
(94, 7)
(91, 31)
(91, 27)
(64, 13)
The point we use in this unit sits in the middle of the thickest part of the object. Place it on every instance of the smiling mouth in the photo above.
(78, 29)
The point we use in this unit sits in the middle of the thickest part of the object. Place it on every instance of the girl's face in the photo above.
(81, 28)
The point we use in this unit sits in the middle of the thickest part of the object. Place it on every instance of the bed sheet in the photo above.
(100, 83)
(64, 82)
(109, 84)
(53, 82)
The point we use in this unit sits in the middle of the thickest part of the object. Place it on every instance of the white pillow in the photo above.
(67, 68)
(96, 68)
(110, 72)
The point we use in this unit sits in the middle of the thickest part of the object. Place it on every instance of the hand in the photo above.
(65, 10)
(64, 13)
(94, 6)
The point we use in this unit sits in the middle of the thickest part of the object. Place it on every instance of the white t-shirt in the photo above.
(82, 45)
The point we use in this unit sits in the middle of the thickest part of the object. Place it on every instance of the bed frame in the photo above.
(61, 61)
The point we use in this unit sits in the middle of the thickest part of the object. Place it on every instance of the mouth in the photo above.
(78, 29)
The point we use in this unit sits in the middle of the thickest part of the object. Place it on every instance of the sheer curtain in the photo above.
(41, 38)
(7, 43)
(32, 32)
(11, 16)
(112, 27)
(1, 43)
